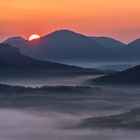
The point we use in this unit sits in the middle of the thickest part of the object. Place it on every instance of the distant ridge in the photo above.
(130, 76)
(108, 42)
(12, 59)
(63, 44)
(68, 45)
(135, 43)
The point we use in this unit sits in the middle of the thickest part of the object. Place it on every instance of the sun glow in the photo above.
(34, 36)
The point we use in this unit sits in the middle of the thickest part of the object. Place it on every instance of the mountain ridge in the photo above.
(69, 45)
(12, 60)
(130, 76)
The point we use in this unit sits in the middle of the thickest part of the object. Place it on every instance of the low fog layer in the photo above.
(58, 112)
(50, 125)
(66, 108)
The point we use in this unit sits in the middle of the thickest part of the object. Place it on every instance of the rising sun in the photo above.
(34, 36)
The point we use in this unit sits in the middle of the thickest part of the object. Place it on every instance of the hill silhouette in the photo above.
(135, 43)
(129, 76)
(109, 42)
(68, 45)
(11, 58)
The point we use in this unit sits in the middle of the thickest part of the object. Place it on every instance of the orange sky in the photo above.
(114, 18)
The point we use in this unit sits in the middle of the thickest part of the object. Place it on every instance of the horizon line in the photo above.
(41, 36)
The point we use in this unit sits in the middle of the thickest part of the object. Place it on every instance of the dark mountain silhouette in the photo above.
(109, 42)
(117, 51)
(135, 43)
(134, 49)
(65, 44)
(21, 43)
(18, 39)
(129, 76)
(11, 58)
(5, 64)
(68, 45)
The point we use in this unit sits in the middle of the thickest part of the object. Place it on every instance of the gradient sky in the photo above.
(115, 18)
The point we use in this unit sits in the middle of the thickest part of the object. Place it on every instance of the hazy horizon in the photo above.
(112, 18)
(27, 37)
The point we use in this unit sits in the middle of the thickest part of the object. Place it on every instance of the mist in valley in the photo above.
(69, 70)
(58, 112)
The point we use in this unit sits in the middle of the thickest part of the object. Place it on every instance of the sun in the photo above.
(34, 36)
